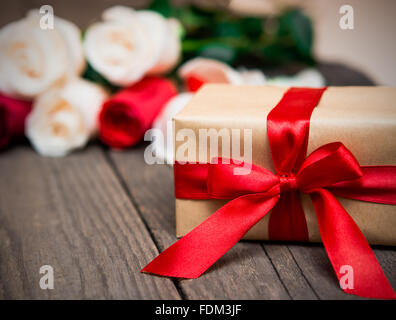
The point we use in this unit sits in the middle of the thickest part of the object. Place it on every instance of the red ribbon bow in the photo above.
(329, 170)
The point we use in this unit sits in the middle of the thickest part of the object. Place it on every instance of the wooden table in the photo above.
(98, 216)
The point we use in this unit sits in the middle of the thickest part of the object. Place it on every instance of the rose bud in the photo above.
(198, 71)
(13, 113)
(126, 116)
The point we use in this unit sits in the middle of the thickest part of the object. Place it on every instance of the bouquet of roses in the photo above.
(60, 88)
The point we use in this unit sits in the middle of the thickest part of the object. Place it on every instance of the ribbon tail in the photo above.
(193, 254)
(353, 260)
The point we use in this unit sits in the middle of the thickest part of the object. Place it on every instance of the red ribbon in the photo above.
(330, 170)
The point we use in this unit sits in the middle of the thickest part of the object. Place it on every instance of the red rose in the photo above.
(126, 116)
(193, 84)
(13, 113)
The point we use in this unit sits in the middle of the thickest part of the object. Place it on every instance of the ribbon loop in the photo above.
(223, 183)
(327, 165)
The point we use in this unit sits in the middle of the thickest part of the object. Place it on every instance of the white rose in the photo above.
(65, 117)
(33, 59)
(213, 71)
(129, 44)
(72, 36)
(163, 148)
(171, 49)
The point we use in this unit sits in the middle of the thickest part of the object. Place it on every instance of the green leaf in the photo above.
(252, 27)
(277, 54)
(192, 20)
(228, 29)
(161, 6)
(299, 28)
(242, 40)
(219, 52)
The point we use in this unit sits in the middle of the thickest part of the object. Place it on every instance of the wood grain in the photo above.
(245, 272)
(72, 214)
(98, 218)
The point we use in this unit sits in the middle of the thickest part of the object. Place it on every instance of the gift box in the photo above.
(295, 164)
(362, 118)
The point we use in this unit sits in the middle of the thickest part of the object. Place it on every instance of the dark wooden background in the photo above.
(99, 216)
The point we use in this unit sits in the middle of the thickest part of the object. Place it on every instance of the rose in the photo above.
(13, 113)
(33, 59)
(71, 35)
(65, 117)
(198, 71)
(162, 123)
(170, 52)
(125, 117)
(129, 44)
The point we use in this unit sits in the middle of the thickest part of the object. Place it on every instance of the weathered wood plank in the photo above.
(387, 258)
(289, 271)
(317, 269)
(315, 264)
(318, 272)
(304, 269)
(73, 214)
(245, 272)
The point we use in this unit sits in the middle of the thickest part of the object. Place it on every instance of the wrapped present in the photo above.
(363, 119)
(310, 165)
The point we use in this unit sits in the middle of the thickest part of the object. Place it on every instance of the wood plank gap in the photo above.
(73, 214)
(243, 273)
(136, 205)
(302, 274)
(277, 273)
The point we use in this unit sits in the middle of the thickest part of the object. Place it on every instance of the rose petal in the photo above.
(13, 113)
(122, 47)
(209, 71)
(64, 117)
(33, 59)
(170, 54)
(164, 119)
(126, 116)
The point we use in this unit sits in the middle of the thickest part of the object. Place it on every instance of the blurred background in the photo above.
(369, 47)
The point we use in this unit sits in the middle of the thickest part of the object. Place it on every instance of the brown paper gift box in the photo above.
(362, 118)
